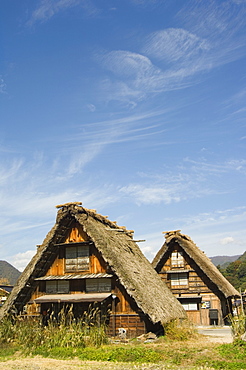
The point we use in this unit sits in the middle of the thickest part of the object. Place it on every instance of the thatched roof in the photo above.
(200, 259)
(117, 248)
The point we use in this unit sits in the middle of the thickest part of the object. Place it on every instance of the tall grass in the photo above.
(238, 325)
(62, 331)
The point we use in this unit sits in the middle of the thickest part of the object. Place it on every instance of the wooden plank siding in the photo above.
(133, 324)
(196, 287)
(122, 312)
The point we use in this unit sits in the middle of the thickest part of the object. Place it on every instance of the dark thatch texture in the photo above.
(200, 259)
(117, 248)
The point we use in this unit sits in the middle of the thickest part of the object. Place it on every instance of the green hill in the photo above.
(8, 272)
(224, 261)
(243, 257)
(235, 272)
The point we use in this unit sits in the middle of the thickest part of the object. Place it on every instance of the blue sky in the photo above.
(135, 107)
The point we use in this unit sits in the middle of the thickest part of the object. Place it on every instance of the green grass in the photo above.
(176, 354)
(226, 357)
(110, 353)
(181, 347)
(7, 351)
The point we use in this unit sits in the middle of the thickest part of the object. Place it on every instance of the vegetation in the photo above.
(224, 261)
(181, 347)
(238, 325)
(189, 354)
(63, 331)
(235, 272)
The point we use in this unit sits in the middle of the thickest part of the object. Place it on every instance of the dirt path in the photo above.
(38, 363)
(217, 334)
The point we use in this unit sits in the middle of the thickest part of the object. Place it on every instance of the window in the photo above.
(98, 285)
(191, 304)
(177, 259)
(77, 258)
(57, 286)
(179, 278)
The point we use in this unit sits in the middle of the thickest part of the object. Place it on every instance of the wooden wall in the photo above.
(197, 287)
(124, 313)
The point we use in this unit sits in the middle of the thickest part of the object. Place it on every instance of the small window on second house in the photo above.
(177, 259)
(180, 278)
(77, 258)
(190, 304)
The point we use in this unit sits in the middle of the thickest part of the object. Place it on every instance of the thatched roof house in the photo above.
(193, 278)
(112, 252)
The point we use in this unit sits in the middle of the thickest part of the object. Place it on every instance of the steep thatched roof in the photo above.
(201, 260)
(118, 249)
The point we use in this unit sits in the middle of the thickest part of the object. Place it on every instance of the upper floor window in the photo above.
(180, 278)
(77, 258)
(177, 259)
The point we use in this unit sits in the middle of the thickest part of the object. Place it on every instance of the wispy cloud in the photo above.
(175, 45)
(213, 232)
(90, 140)
(175, 58)
(144, 194)
(235, 165)
(2, 86)
(136, 77)
(48, 8)
(191, 179)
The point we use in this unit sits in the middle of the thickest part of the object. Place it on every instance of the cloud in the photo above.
(226, 240)
(92, 139)
(235, 165)
(2, 86)
(211, 35)
(175, 45)
(20, 260)
(151, 194)
(137, 70)
(91, 107)
(48, 8)
(135, 77)
(188, 180)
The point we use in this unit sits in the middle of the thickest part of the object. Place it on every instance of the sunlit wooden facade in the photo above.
(198, 285)
(88, 261)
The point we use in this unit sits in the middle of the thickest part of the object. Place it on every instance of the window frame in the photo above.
(57, 286)
(79, 257)
(97, 285)
(177, 259)
(182, 279)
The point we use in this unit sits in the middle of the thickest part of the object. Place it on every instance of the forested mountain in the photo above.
(224, 261)
(235, 272)
(8, 273)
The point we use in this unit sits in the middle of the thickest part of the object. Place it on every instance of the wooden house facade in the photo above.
(86, 259)
(199, 286)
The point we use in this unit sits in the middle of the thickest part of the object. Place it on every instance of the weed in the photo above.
(238, 325)
(179, 330)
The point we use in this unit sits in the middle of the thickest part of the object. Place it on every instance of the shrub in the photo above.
(179, 330)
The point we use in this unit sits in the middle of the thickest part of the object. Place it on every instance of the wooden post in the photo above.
(113, 312)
